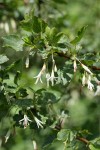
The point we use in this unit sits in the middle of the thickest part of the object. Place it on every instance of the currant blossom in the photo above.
(97, 91)
(90, 85)
(25, 121)
(27, 62)
(51, 78)
(38, 77)
(38, 122)
(7, 136)
(75, 65)
(84, 67)
(84, 80)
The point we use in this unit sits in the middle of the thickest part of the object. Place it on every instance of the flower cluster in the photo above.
(50, 77)
(86, 80)
(26, 121)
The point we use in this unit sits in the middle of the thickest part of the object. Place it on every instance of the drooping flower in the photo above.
(51, 77)
(84, 79)
(97, 91)
(86, 69)
(25, 121)
(90, 85)
(38, 122)
(75, 65)
(7, 136)
(27, 62)
(38, 77)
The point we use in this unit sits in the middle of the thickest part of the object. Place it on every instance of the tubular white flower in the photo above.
(38, 77)
(47, 77)
(6, 27)
(55, 68)
(90, 85)
(7, 136)
(38, 122)
(84, 80)
(86, 68)
(97, 91)
(25, 121)
(51, 78)
(27, 62)
(75, 65)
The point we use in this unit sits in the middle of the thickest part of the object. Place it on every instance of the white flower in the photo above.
(27, 62)
(84, 79)
(90, 85)
(6, 27)
(51, 78)
(86, 68)
(55, 68)
(47, 77)
(38, 122)
(25, 121)
(38, 77)
(34, 145)
(13, 23)
(7, 136)
(75, 65)
(97, 91)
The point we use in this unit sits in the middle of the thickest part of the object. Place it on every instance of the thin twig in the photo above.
(69, 57)
(82, 140)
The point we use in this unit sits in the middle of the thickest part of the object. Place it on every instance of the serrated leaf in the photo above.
(3, 59)
(27, 23)
(50, 35)
(14, 42)
(34, 24)
(65, 135)
(24, 103)
(79, 35)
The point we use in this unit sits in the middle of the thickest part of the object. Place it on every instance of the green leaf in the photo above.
(26, 24)
(24, 103)
(14, 42)
(92, 147)
(3, 59)
(34, 24)
(38, 25)
(79, 35)
(17, 77)
(65, 135)
(50, 35)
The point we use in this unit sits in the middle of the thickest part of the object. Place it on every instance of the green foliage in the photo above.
(57, 109)
(14, 42)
